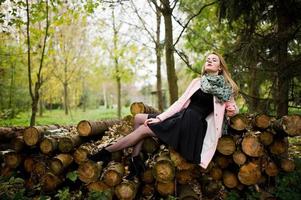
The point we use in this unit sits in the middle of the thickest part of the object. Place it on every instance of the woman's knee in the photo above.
(140, 118)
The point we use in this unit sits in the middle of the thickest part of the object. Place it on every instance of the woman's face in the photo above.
(212, 65)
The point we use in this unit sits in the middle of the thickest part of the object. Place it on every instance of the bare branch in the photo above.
(193, 16)
(143, 22)
(175, 3)
(185, 59)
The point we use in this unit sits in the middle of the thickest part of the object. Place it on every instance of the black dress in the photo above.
(185, 131)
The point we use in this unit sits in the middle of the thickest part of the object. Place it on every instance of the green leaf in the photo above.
(72, 176)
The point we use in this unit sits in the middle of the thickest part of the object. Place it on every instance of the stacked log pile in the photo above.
(252, 154)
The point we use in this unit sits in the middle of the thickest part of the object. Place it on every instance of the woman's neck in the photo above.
(212, 73)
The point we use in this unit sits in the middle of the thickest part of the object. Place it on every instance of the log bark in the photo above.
(113, 174)
(34, 134)
(91, 128)
(8, 133)
(17, 144)
(249, 174)
(89, 171)
(139, 107)
(126, 190)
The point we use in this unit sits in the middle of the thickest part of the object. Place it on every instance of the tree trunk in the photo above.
(35, 95)
(169, 52)
(158, 59)
(116, 64)
(66, 98)
(282, 59)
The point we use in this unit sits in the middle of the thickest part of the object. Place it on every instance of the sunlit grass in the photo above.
(59, 117)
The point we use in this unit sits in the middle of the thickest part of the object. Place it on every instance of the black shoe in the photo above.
(103, 155)
(136, 167)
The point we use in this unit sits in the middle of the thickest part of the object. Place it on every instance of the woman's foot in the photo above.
(136, 167)
(103, 155)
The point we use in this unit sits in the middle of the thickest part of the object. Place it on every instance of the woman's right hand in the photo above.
(151, 121)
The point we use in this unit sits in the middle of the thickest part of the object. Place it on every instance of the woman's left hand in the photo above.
(230, 111)
(151, 121)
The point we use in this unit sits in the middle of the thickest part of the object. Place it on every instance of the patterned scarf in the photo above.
(217, 86)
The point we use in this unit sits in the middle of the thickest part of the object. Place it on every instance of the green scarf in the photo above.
(217, 86)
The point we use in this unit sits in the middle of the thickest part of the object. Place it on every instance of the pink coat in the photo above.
(214, 120)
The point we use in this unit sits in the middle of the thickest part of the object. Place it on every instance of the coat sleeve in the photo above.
(179, 104)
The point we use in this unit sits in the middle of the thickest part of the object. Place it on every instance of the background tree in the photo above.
(166, 8)
(269, 34)
(34, 86)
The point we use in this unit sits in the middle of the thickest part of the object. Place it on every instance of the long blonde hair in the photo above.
(225, 72)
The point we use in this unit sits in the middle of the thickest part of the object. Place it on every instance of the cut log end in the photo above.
(31, 136)
(84, 128)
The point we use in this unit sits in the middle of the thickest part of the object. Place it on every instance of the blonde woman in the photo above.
(192, 125)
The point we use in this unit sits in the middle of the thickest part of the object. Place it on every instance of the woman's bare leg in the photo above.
(139, 120)
(131, 139)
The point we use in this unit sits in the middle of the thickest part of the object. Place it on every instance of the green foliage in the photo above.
(55, 116)
(232, 195)
(72, 176)
(63, 194)
(12, 189)
(288, 185)
(96, 195)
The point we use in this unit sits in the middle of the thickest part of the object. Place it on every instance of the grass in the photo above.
(59, 117)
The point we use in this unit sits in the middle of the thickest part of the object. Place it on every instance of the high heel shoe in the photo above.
(103, 155)
(136, 167)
